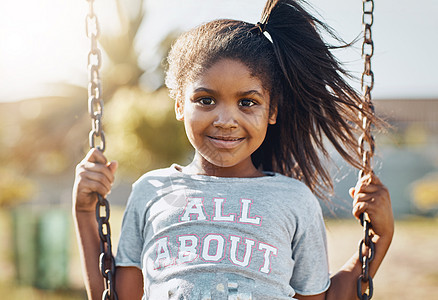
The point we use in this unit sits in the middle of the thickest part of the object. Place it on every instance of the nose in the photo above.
(225, 118)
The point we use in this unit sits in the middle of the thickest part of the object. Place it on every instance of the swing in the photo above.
(95, 109)
(366, 254)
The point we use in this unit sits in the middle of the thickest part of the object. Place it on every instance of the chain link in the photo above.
(95, 101)
(95, 108)
(366, 143)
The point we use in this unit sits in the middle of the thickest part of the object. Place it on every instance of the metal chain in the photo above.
(95, 101)
(95, 108)
(366, 148)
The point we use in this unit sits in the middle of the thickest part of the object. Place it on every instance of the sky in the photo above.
(43, 42)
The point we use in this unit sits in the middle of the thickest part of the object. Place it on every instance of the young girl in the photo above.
(259, 104)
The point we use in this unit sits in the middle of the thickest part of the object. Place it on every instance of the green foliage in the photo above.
(412, 134)
(42, 136)
(47, 137)
(14, 188)
(142, 131)
(122, 68)
(140, 126)
(425, 192)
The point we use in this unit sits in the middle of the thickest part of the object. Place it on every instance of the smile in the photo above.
(225, 138)
(225, 142)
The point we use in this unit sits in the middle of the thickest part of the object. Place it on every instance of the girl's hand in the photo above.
(94, 175)
(372, 197)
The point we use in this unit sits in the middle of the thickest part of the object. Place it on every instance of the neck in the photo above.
(201, 166)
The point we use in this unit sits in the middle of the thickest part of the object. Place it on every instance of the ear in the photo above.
(179, 109)
(273, 115)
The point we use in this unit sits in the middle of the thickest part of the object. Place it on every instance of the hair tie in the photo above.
(261, 27)
(264, 31)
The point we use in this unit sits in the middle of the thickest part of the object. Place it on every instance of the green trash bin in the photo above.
(24, 222)
(53, 249)
(41, 247)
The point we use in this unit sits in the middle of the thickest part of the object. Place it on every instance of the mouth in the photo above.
(226, 138)
(225, 142)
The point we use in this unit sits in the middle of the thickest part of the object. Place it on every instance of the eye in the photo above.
(206, 101)
(247, 102)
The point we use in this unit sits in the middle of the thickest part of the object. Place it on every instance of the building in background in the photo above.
(406, 159)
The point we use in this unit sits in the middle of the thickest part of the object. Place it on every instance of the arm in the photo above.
(89, 250)
(129, 283)
(129, 280)
(93, 175)
(370, 196)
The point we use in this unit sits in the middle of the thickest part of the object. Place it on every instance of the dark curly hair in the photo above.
(306, 83)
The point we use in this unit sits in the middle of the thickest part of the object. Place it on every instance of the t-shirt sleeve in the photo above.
(131, 238)
(309, 253)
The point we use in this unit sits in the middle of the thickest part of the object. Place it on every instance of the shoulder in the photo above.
(155, 178)
(296, 193)
(153, 183)
(292, 185)
(150, 186)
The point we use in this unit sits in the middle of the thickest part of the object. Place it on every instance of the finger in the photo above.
(361, 208)
(369, 184)
(99, 168)
(370, 198)
(371, 188)
(99, 177)
(112, 166)
(95, 186)
(375, 179)
(373, 212)
(89, 184)
(94, 182)
(373, 204)
(374, 191)
(95, 155)
(351, 191)
(368, 179)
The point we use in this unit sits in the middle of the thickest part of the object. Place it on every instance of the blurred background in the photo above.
(44, 127)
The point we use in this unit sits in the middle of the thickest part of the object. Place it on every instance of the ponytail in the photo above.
(316, 102)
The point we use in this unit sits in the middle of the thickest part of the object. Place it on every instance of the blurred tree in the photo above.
(425, 193)
(14, 188)
(154, 76)
(143, 133)
(123, 68)
(48, 136)
(38, 134)
(133, 115)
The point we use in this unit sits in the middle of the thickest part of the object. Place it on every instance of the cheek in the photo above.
(191, 135)
(262, 130)
(194, 123)
(259, 120)
(259, 126)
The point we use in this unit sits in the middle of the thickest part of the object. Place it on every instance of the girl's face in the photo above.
(226, 115)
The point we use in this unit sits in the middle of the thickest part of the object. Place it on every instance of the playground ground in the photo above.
(410, 270)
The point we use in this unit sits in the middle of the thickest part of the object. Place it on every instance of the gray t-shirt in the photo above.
(206, 237)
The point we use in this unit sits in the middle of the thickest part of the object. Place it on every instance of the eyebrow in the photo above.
(239, 94)
(202, 89)
(249, 93)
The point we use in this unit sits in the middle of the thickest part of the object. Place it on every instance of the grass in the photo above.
(12, 291)
(410, 270)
